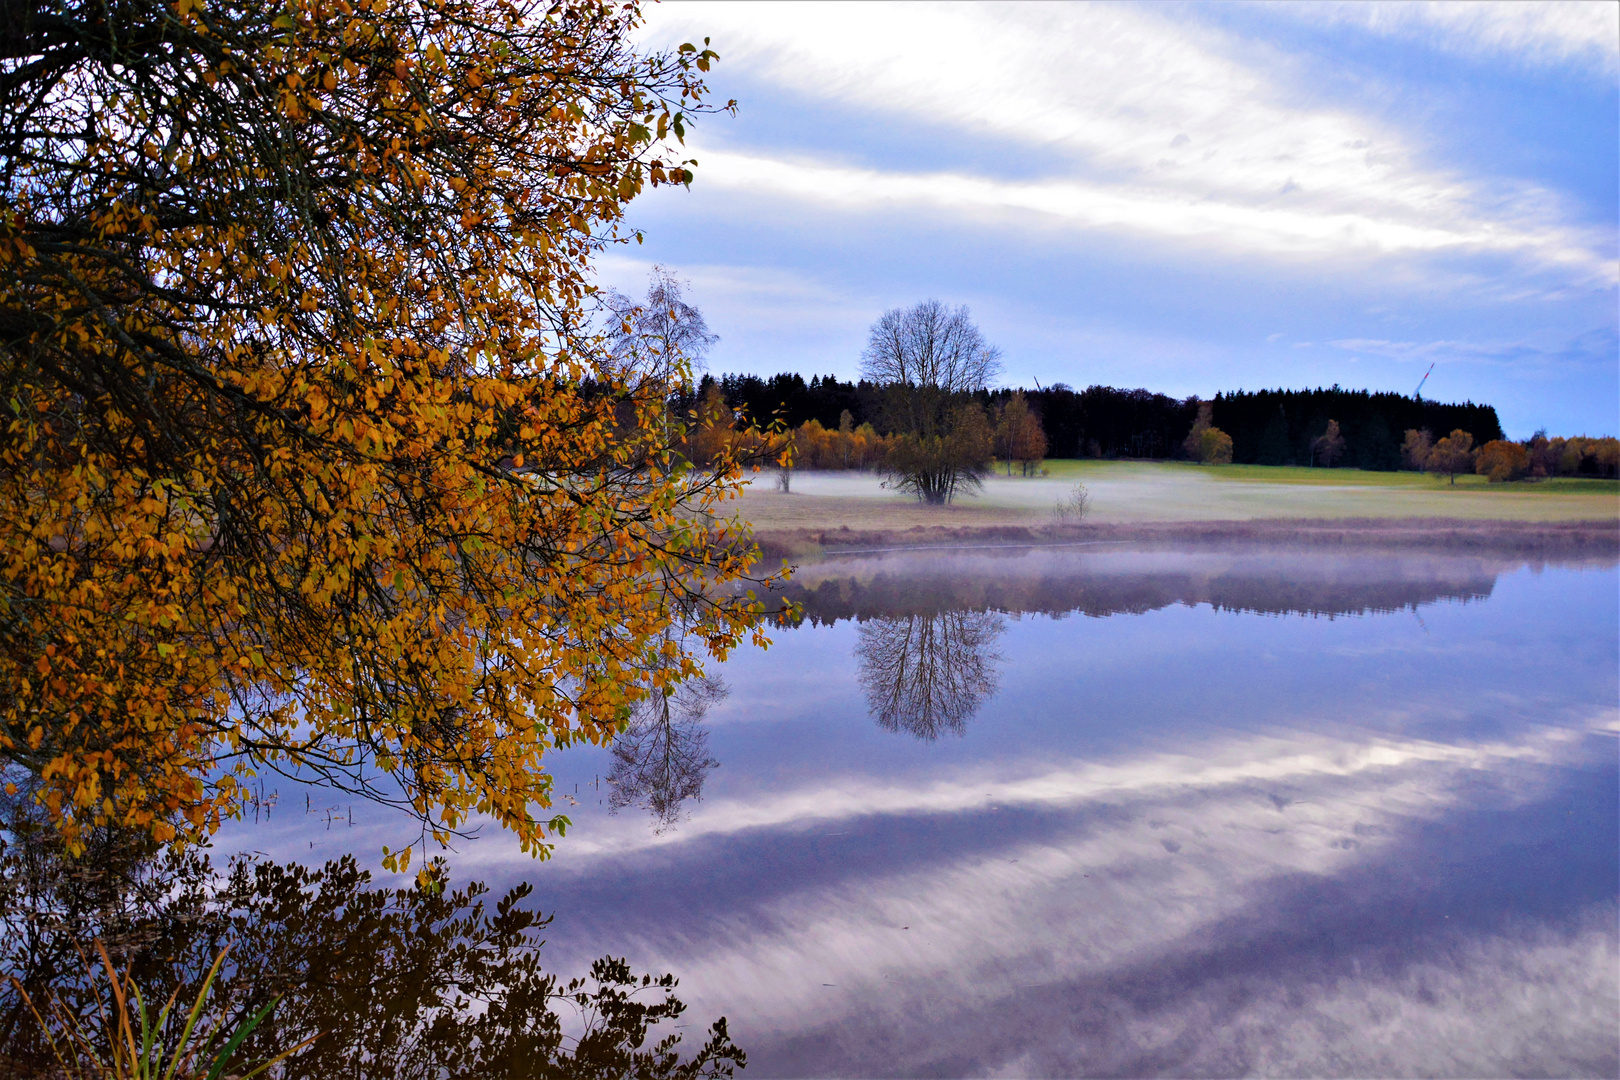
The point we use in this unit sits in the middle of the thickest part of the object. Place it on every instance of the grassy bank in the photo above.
(840, 509)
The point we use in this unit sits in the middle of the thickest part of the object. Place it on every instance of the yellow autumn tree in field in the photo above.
(307, 459)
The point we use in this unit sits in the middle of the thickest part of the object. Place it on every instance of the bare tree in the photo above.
(662, 758)
(661, 336)
(928, 359)
(928, 674)
(926, 355)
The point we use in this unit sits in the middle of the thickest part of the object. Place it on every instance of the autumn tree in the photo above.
(1207, 443)
(1415, 448)
(309, 460)
(1500, 460)
(1215, 447)
(928, 358)
(937, 468)
(1451, 455)
(1018, 435)
(1192, 445)
(1329, 446)
(1541, 459)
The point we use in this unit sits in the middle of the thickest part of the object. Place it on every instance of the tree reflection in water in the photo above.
(403, 983)
(928, 674)
(662, 758)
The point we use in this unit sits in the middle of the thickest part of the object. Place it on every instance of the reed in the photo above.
(130, 1043)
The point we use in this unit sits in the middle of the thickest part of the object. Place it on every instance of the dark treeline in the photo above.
(1277, 427)
(1268, 427)
(789, 398)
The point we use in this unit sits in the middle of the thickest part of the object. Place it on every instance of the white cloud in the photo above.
(1167, 213)
(1542, 32)
(1180, 844)
(1217, 765)
(1148, 123)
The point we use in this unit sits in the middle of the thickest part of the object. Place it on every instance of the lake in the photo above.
(1114, 811)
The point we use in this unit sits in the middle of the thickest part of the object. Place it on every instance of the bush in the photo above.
(1215, 447)
(1072, 508)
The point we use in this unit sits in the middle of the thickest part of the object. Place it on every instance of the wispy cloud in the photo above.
(1167, 213)
(1542, 32)
(1151, 122)
(1595, 347)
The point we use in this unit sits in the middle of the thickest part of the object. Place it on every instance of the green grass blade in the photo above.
(237, 1039)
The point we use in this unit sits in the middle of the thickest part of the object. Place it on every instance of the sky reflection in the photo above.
(1250, 813)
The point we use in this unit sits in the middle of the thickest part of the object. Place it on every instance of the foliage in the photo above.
(1415, 449)
(1279, 427)
(1451, 455)
(399, 984)
(1206, 443)
(844, 447)
(308, 463)
(1193, 444)
(133, 1043)
(1273, 427)
(1500, 461)
(1018, 435)
(1214, 447)
(937, 468)
(1585, 456)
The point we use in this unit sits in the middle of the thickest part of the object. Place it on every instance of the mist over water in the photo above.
(1125, 812)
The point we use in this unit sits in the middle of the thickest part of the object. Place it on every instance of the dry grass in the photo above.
(828, 510)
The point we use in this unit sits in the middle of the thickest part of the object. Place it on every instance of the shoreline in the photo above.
(1591, 538)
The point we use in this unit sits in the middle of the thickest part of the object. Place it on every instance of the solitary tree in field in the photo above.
(1452, 455)
(928, 358)
(308, 460)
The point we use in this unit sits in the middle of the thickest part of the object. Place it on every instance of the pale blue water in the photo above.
(1225, 813)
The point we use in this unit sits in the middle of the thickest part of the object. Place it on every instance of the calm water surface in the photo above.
(1115, 812)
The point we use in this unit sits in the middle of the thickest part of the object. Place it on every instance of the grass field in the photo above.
(1144, 492)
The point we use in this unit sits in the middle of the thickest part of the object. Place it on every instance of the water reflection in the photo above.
(1100, 582)
(926, 675)
(662, 759)
(397, 983)
(1219, 829)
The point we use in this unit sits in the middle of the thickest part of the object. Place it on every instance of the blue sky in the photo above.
(1187, 197)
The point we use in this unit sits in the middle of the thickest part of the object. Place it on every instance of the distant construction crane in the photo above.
(1418, 393)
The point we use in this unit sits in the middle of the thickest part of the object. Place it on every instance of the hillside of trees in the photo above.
(1268, 427)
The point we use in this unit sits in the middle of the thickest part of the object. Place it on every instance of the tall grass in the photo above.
(130, 1043)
